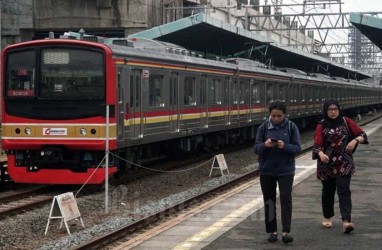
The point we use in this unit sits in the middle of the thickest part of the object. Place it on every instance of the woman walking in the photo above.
(277, 143)
(335, 140)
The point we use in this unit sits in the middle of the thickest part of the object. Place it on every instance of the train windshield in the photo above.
(65, 82)
(63, 74)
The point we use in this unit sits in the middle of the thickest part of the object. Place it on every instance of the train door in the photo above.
(135, 113)
(309, 98)
(290, 99)
(297, 98)
(121, 80)
(204, 101)
(216, 96)
(233, 101)
(227, 99)
(303, 99)
(317, 94)
(255, 101)
(268, 98)
(174, 102)
(245, 86)
(282, 92)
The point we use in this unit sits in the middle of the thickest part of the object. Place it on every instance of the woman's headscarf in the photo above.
(328, 122)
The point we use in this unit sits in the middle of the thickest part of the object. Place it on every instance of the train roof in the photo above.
(159, 50)
(240, 64)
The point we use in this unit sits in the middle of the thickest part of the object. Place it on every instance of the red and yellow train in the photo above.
(162, 99)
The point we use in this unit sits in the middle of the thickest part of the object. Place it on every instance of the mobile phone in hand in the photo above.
(274, 140)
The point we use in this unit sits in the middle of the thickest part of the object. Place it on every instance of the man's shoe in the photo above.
(272, 237)
(287, 238)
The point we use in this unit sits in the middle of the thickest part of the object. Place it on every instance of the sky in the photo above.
(361, 5)
(347, 6)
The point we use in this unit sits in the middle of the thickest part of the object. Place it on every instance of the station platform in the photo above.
(236, 219)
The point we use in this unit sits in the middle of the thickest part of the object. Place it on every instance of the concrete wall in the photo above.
(128, 15)
(15, 15)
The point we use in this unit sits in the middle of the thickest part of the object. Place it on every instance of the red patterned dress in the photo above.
(333, 141)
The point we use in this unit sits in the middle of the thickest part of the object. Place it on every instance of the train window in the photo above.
(255, 93)
(174, 89)
(131, 90)
(234, 92)
(120, 97)
(309, 93)
(282, 92)
(296, 95)
(137, 90)
(329, 92)
(316, 93)
(156, 90)
(269, 92)
(290, 92)
(189, 91)
(303, 93)
(244, 91)
(20, 74)
(68, 73)
(203, 88)
(215, 91)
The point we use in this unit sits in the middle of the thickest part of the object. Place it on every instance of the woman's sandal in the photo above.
(327, 223)
(347, 227)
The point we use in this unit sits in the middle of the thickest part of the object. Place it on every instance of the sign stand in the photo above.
(64, 207)
(222, 165)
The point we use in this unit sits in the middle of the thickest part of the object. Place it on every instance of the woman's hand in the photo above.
(323, 157)
(351, 145)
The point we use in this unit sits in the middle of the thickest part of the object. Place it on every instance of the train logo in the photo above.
(54, 131)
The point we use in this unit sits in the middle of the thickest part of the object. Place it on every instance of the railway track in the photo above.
(21, 201)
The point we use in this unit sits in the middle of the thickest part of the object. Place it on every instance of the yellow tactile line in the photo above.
(208, 231)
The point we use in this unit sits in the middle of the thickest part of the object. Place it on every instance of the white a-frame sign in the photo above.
(222, 165)
(64, 207)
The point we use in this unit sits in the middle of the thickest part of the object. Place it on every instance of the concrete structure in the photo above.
(30, 19)
(15, 17)
(111, 17)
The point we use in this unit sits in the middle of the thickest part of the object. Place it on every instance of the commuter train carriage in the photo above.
(162, 99)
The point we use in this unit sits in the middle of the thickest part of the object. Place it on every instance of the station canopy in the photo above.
(370, 26)
(213, 38)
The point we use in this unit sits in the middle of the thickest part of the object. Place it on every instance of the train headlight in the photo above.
(83, 131)
(28, 131)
